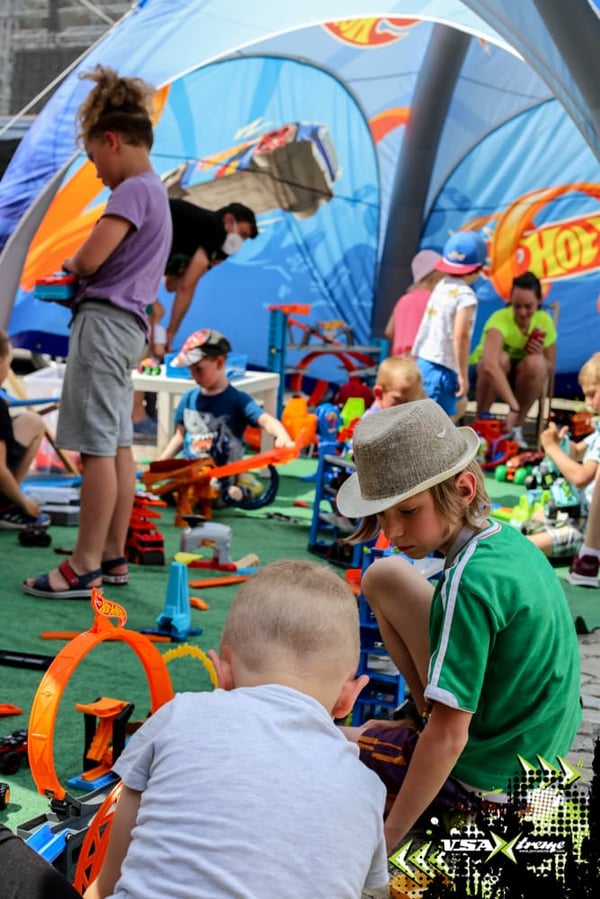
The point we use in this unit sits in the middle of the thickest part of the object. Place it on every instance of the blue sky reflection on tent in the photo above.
(488, 156)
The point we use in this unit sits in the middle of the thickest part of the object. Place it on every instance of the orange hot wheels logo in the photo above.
(370, 32)
(555, 251)
(107, 608)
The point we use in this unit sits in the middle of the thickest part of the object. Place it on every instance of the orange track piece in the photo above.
(70, 635)
(219, 581)
(191, 480)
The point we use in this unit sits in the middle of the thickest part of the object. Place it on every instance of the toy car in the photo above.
(518, 467)
(145, 547)
(13, 749)
(149, 366)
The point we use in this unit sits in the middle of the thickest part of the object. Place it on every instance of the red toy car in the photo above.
(145, 547)
(13, 749)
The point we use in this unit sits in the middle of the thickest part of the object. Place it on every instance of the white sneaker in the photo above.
(517, 435)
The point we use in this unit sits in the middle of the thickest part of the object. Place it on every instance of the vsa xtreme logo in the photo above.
(487, 848)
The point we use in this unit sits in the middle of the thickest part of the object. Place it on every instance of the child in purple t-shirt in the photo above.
(119, 267)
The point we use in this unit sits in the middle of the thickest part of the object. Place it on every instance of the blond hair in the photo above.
(118, 104)
(589, 372)
(447, 502)
(395, 367)
(300, 609)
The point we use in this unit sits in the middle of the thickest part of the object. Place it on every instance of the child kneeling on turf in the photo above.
(579, 465)
(210, 419)
(252, 790)
(20, 439)
(490, 654)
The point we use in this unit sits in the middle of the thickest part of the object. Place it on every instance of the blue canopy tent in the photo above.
(356, 140)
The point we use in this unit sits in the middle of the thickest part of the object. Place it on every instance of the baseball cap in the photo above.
(199, 345)
(423, 264)
(464, 252)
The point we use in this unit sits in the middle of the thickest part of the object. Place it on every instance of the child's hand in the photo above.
(283, 441)
(463, 386)
(551, 436)
(30, 507)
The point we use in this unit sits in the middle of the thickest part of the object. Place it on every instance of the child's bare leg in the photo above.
(29, 430)
(400, 599)
(114, 546)
(97, 504)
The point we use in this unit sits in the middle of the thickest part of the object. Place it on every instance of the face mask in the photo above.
(233, 243)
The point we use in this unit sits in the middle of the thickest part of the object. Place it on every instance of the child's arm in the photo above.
(462, 346)
(118, 844)
(436, 752)
(106, 236)
(389, 328)
(174, 444)
(9, 487)
(580, 474)
(273, 426)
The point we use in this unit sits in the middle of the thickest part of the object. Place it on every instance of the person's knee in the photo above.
(29, 427)
(532, 368)
(384, 577)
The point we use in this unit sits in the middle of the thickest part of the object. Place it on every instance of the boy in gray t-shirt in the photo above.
(251, 790)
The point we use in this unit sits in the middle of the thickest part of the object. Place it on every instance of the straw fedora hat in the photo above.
(401, 451)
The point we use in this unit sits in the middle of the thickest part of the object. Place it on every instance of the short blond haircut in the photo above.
(395, 367)
(294, 608)
(589, 372)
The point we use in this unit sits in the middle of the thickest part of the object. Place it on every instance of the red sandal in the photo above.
(78, 584)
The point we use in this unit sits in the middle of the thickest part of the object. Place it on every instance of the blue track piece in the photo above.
(47, 843)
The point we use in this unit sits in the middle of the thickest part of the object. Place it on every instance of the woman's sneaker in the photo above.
(584, 571)
(14, 519)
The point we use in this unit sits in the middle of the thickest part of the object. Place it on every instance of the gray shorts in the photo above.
(106, 343)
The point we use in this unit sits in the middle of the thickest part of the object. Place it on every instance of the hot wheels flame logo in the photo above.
(370, 32)
(107, 608)
(564, 249)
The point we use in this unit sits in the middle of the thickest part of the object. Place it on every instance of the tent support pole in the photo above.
(433, 93)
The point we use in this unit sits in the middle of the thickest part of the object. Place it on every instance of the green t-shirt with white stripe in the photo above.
(504, 648)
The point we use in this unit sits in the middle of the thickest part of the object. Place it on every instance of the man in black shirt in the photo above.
(201, 238)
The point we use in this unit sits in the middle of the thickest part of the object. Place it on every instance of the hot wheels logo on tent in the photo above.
(555, 250)
(370, 32)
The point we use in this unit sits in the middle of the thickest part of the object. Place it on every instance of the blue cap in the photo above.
(463, 253)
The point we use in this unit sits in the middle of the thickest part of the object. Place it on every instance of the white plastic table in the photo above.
(262, 385)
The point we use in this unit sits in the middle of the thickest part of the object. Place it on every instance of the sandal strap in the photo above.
(109, 564)
(75, 580)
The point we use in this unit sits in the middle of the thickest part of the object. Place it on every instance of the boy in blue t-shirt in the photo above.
(210, 419)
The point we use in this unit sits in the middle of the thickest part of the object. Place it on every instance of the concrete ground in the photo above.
(582, 753)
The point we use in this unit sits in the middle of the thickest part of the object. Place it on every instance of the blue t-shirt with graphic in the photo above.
(214, 424)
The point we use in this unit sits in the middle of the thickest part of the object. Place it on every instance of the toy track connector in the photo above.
(175, 619)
